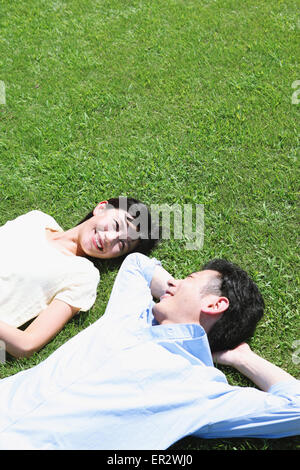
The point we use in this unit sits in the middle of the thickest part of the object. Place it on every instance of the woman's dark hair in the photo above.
(148, 235)
(246, 306)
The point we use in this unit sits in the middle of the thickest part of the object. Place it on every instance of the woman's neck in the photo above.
(66, 242)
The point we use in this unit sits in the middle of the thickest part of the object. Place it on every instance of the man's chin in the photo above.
(164, 296)
(156, 313)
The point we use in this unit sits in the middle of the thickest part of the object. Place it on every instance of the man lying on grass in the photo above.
(142, 376)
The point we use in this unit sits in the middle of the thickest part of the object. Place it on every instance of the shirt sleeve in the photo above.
(248, 412)
(131, 293)
(80, 290)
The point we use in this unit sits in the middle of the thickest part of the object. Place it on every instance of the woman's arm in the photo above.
(44, 327)
(261, 372)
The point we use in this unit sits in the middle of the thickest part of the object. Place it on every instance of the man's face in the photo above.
(184, 299)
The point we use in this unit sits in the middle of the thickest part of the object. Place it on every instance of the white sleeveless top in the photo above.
(33, 272)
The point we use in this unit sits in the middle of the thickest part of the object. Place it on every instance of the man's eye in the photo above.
(117, 226)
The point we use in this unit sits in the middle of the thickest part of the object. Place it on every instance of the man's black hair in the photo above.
(246, 306)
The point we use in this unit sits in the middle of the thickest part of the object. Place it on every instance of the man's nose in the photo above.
(173, 283)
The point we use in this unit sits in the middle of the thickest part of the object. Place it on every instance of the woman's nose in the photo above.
(112, 236)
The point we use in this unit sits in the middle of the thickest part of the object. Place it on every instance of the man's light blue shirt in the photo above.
(127, 383)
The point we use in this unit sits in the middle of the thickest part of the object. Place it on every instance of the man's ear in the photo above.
(102, 205)
(215, 306)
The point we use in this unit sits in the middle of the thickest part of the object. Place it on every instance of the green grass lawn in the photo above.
(170, 101)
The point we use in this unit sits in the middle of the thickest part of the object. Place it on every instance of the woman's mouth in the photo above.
(97, 241)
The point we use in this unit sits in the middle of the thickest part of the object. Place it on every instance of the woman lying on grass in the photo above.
(49, 275)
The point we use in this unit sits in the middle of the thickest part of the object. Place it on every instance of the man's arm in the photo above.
(272, 412)
(159, 282)
(261, 372)
(139, 279)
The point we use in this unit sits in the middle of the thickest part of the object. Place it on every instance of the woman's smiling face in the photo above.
(108, 234)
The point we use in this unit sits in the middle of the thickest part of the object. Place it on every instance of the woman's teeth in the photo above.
(98, 242)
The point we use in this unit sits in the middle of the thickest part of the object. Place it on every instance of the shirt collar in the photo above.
(190, 338)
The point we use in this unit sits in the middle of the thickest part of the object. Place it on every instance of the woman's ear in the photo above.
(102, 205)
